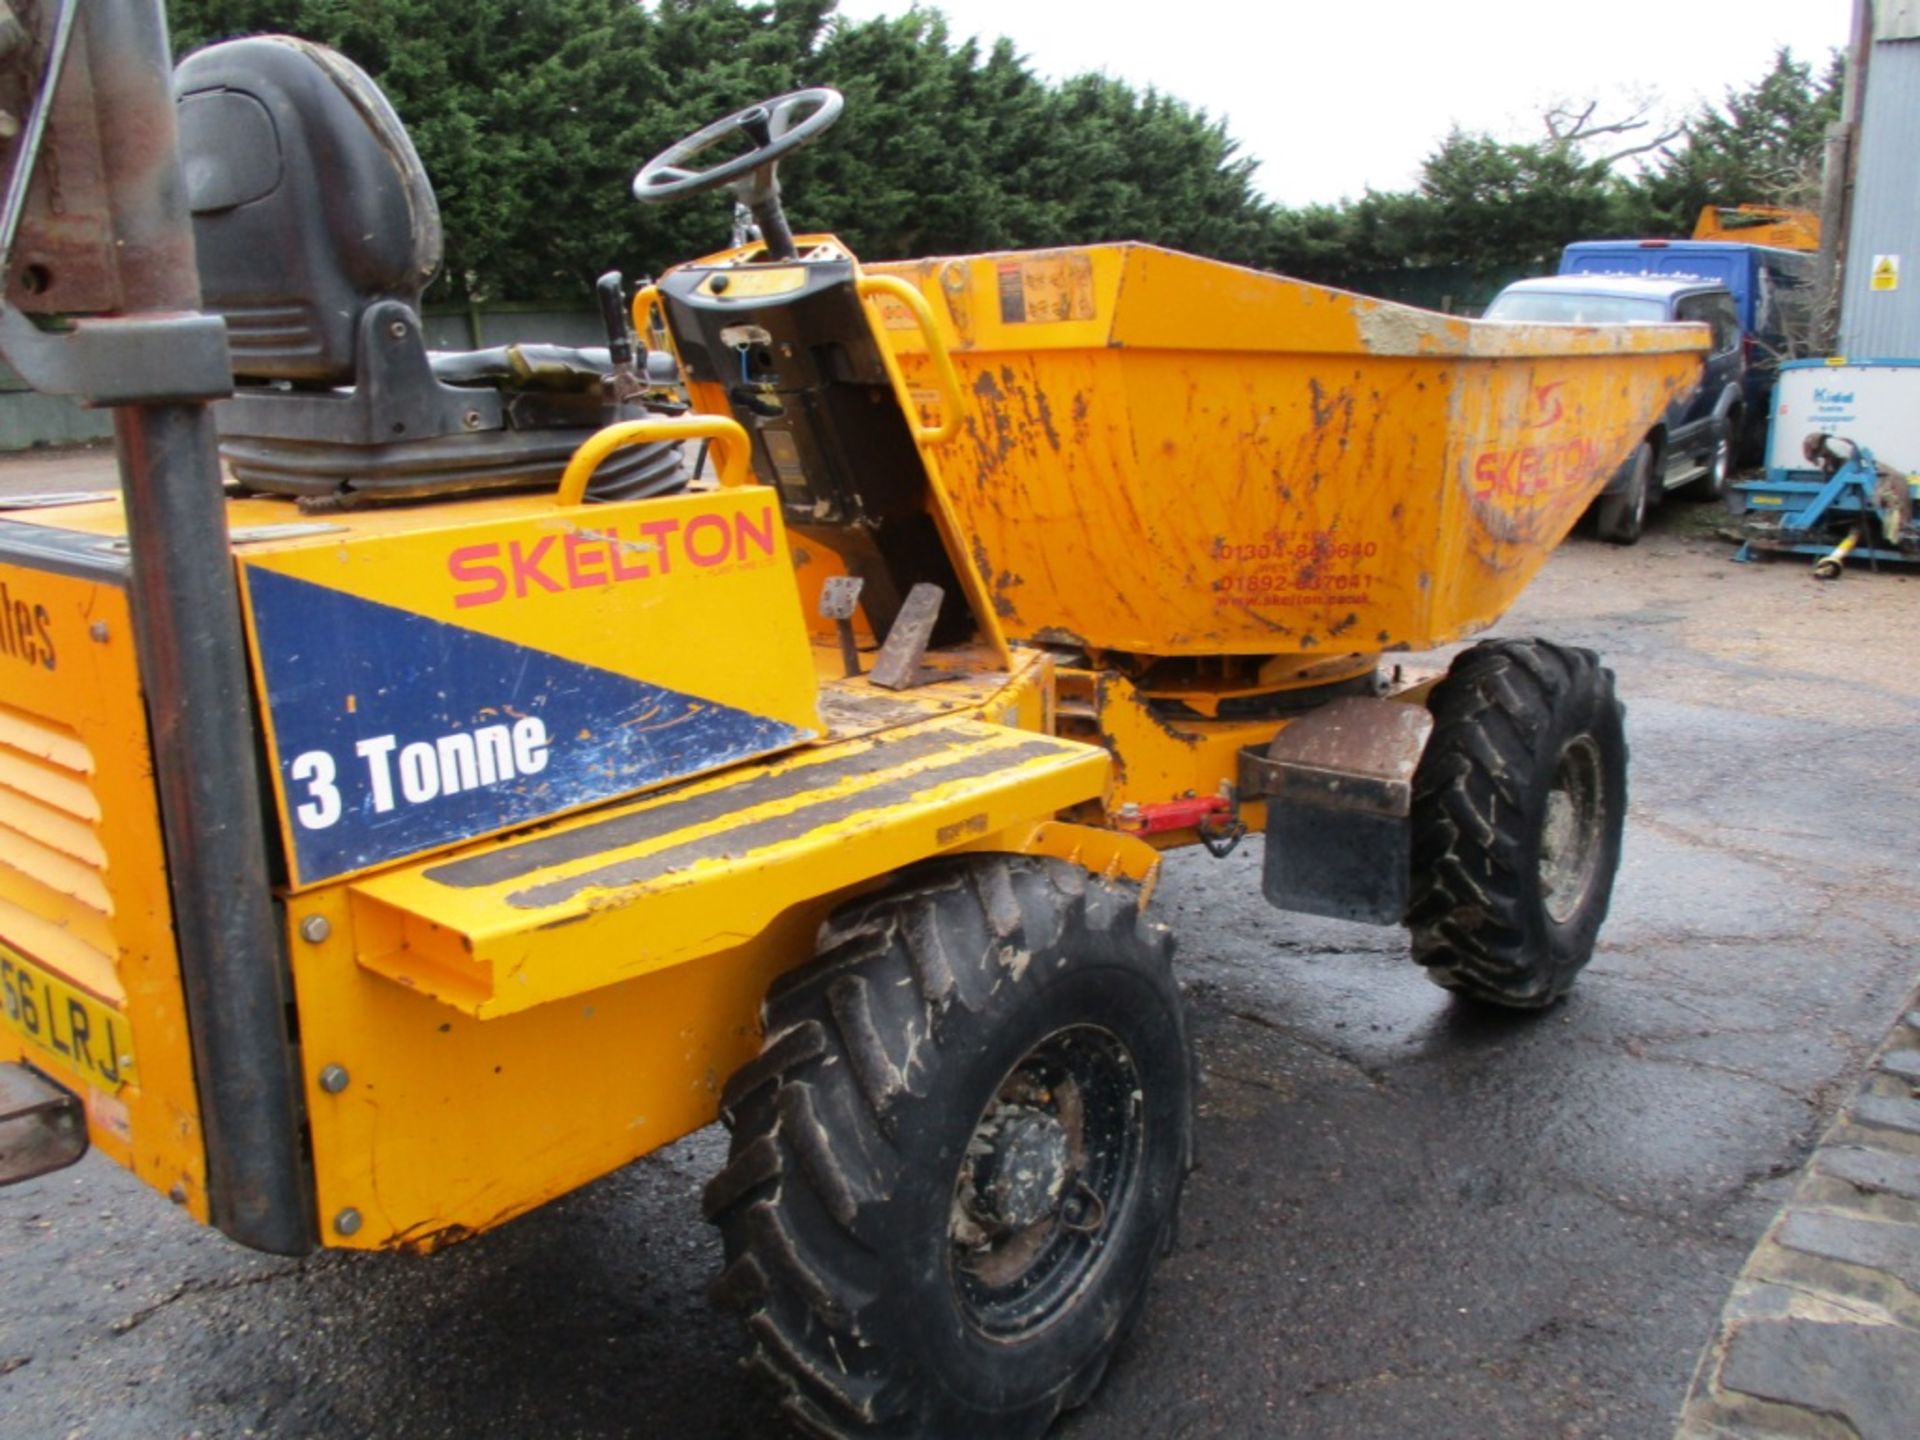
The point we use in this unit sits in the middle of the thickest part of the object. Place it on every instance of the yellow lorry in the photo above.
(426, 794)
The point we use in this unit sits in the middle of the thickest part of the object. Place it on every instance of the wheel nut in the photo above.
(347, 1222)
(315, 929)
(333, 1079)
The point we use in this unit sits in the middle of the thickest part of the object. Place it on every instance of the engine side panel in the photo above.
(91, 975)
(425, 686)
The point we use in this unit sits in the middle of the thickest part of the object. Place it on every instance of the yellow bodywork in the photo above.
(83, 882)
(1130, 453)
(509, 1038)
(688, 596)
(1170, 456)
(1775, 225)
(671, 879)
(514, 1015)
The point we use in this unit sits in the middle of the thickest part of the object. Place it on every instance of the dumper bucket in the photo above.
(1171, 456)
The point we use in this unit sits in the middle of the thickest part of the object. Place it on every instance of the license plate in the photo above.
(83, 1033)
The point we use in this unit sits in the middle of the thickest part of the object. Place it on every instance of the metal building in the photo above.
(1880, 299)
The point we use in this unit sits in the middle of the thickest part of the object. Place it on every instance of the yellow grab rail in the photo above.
(644, 299)
(948, 522)
(730, 447)
(943, 373)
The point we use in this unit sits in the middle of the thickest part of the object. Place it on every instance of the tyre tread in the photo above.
(810, 1118)
(1473, 889)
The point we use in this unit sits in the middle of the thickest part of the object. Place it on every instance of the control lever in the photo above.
(627, 383)
(838, 598)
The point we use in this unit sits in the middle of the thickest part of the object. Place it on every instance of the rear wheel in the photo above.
(1517, 812)
(959, 1155)
(1621, 518)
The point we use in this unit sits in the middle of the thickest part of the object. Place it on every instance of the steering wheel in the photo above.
(775, 128)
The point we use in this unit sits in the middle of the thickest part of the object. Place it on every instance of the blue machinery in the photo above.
(1835, 498)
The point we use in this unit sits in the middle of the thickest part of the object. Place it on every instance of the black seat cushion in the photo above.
(309, 202)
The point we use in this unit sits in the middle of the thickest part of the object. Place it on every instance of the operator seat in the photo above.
(317, 230)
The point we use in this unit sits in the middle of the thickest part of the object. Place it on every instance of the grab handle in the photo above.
(729, 442)
(644, 300)
(943, 372)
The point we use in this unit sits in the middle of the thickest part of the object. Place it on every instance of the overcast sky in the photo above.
(1333, 98)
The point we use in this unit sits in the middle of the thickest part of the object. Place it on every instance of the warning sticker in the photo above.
(1037, 289)
(1885, 274)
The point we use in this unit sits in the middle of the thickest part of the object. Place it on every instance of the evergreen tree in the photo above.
(1497, 206)
(1762, 145)
(532, 115)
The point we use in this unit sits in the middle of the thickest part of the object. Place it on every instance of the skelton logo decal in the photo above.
(395, 733)
(1547, 403)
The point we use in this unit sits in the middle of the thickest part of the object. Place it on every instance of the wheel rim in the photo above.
(1722, 463)
(1571, 830)
(1045, 1182)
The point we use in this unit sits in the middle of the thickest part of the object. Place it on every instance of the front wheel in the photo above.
(959, 1155)
(1518, 805)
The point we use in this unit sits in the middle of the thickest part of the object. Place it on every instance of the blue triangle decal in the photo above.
(396, 733)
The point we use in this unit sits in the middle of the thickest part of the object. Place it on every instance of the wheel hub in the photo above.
(1052, 1158)
(1020, 1168)
(1571, 830)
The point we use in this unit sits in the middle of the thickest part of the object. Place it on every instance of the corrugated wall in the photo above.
(1884, 324)
(1896, 20)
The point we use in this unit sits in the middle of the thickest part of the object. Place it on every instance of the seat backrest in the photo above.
(309, 202)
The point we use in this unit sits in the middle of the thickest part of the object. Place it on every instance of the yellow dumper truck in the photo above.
(423, 789)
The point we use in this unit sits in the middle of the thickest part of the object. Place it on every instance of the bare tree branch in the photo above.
(1564, 125)
(1664, 138)
(1569, 125)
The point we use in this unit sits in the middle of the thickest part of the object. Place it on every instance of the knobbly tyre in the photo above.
(824, 797)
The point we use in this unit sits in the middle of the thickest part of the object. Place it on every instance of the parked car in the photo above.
(1772, 293)
(1691, 446)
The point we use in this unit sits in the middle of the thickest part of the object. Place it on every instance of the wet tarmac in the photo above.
(1409, 1217)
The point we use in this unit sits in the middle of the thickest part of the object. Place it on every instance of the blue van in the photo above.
(1772, 293)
